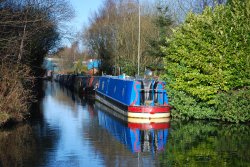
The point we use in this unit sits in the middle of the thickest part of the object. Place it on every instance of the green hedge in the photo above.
(207, 58)
(234, 106)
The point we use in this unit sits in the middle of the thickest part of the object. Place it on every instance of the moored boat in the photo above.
(82, 84)
(134, 98)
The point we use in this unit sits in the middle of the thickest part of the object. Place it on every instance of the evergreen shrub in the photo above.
(207, 64)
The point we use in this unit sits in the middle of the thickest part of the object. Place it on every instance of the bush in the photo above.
(14, 97)
(234, 105)
(207, 55)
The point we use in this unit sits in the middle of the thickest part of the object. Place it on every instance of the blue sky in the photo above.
(83, 9)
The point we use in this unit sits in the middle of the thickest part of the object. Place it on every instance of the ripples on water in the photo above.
(70, 131)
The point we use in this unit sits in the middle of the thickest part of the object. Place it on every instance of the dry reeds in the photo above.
(14, 97)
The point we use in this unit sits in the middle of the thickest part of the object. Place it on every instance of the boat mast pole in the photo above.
(139, 38)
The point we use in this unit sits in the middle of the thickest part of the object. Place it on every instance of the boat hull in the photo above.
(139, 123)
(143, 114)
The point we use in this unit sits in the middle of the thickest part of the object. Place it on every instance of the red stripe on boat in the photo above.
(149, 126)
(149, 109)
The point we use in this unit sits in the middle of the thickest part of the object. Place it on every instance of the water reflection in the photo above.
(203, 143)
(66, 113)
(13, 150)
(70, 131)
(135, 139)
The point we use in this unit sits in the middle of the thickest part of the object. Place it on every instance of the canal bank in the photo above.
(16, 109)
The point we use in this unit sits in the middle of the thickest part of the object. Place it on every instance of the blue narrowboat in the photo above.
(134, 98)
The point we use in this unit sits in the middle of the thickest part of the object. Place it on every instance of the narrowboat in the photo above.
(90, 87)
(82, 84)
(134, 98)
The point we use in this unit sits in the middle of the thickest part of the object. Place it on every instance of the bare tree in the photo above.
(180, 8)
(29, 29)
(68, 58)
(113, 34)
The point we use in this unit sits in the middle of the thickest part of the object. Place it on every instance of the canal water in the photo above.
(70, 131)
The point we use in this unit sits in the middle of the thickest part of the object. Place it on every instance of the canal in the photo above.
(70, 131)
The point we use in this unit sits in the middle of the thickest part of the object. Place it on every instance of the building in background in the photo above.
(93, 66)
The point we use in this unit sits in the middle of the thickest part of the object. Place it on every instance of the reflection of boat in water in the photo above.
(138, 137)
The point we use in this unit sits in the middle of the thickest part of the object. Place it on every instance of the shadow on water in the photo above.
(66, 130)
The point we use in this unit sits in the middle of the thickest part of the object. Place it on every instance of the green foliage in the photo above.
(79, 67)
(128, 67)
(186, 107)
(207, 55)
(234, 105)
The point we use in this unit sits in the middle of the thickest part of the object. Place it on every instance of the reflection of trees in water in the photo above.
(22, 147)
(17, 147)
(27, 145)
(63, 95)
(207, 144)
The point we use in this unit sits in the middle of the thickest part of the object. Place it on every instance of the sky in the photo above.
(83, 9)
